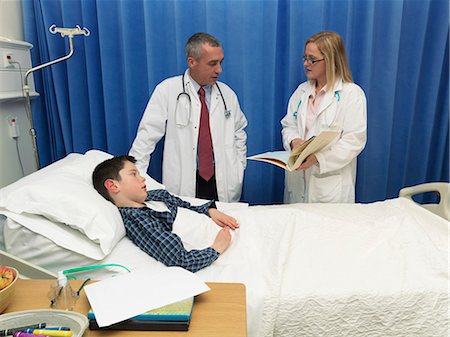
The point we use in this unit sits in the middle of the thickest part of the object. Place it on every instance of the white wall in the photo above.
(11, 22)
(12, 103)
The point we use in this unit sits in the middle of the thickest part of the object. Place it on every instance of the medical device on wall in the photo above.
(186, 115)
(70, 33)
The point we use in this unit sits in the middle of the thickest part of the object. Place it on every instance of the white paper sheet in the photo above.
(119, 298)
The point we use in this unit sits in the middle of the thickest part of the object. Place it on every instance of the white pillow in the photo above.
(63, 193)
(40, 250)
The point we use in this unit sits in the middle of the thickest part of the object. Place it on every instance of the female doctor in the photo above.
(329, 100)
(174, 110)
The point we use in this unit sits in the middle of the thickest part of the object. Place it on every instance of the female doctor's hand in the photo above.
(296, 142)
(222, 219)
(309, 161)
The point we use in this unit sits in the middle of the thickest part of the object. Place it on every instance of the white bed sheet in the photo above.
(370, 270)
(377, 269)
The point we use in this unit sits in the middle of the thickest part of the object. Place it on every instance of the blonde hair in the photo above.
(332, 47)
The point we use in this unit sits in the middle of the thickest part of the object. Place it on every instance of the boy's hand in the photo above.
(222, 240)
(222, 219)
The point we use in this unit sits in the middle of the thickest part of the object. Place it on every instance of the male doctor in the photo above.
(204, 128)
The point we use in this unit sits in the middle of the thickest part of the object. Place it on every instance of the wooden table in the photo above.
(220, 312)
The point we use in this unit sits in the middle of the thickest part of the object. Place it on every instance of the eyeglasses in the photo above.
(310, 60)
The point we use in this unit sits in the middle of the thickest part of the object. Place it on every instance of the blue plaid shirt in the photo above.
(151, 231)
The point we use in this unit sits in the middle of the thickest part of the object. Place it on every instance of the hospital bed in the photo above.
(378, 269)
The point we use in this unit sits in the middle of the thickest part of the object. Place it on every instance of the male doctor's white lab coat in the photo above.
(180, 144)
(333, 178)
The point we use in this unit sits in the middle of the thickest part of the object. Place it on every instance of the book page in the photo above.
(296, 151)
(127, 295)
(278, 158)
(314, 145)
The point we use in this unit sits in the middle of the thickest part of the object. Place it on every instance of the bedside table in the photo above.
(220, 312)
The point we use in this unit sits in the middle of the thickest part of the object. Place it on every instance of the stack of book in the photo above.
(172, 317)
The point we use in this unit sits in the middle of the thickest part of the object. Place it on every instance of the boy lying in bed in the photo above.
(118, 180)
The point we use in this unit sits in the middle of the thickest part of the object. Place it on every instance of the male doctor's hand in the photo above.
(222, 219)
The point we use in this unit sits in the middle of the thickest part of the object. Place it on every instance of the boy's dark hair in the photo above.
(109, 169)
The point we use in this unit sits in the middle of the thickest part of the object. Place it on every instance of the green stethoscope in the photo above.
(336, 94)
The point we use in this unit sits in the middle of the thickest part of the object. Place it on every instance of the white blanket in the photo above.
(334, 270)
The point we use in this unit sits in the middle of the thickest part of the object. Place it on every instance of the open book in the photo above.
(291, 160)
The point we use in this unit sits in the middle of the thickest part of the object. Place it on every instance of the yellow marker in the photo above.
(53, 333)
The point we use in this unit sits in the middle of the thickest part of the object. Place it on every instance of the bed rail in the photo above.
(441, 188)
(26, 269)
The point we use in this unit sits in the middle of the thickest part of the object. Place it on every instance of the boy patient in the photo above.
(118, 180)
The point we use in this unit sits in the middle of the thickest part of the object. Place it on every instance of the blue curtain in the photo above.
(398, 53)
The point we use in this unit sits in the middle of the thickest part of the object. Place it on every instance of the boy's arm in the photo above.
(173, 253)
(203, 209)
(165, 246)
(164, 195)
(209, 208)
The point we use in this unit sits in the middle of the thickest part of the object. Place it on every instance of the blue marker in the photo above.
(58, 328)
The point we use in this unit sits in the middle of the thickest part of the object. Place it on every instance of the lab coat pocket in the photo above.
(325, 187)
(234, 173)
(238, 167)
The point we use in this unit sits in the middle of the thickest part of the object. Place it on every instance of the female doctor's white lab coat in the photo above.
(180, 143)
(333, 178)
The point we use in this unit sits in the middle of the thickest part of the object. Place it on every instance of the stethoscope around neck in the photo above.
(337, 96)
(185, 116)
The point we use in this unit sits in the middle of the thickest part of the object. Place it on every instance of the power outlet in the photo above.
(7, 58)
(13, 127)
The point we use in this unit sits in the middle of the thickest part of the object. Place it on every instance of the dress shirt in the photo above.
(207, 88)
(314, 101)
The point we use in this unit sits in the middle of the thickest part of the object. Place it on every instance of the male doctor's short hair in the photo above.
(109, 169)
(194, 46)
(332, 47)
